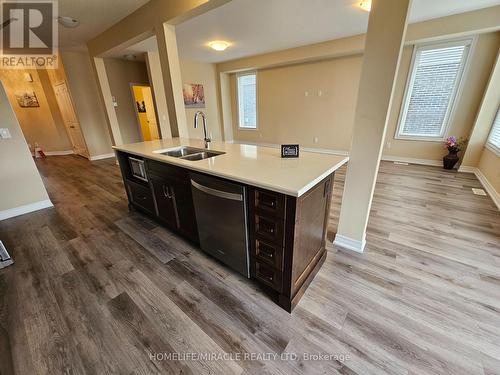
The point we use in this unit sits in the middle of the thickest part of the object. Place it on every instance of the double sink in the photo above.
(189, 153)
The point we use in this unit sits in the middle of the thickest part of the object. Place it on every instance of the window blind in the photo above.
(436, 75)
(494, 137)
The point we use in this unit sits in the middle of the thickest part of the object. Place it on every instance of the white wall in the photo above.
(20, 182)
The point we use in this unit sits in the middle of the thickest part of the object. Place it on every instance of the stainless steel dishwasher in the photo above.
(221, 215)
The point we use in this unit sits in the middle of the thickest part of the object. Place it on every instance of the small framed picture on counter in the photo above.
(289, 151)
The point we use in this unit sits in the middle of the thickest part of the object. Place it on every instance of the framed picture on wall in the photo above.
(194, 95)
(28, 100)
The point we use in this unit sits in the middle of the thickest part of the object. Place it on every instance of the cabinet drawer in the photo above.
(141, 196)
(166, 170)
(268, 275)
(271, 254)
(269, 228)
(270, 202)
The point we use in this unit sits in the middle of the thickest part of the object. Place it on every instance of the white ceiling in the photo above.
(259, 26)
(95, 16)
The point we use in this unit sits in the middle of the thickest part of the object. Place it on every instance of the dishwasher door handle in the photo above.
(217, 193)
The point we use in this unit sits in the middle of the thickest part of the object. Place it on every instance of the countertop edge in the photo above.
(293, 193)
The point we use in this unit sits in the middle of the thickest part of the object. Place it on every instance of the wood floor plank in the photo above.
(96, 289)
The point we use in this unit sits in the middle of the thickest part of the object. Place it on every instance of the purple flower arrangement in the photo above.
(455, 145)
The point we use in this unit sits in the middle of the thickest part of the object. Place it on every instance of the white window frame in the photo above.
(490, 146)
(455, 96)
(248, 73)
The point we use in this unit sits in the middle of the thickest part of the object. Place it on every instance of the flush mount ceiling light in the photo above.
(366, 5)
(130, 57)
(68, 22)
(218, 45)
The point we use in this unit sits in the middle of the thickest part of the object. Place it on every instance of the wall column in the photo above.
(224, 105)
(484, 119)
(384, 42)
(172, 81)
(156, 81)
(102, 78)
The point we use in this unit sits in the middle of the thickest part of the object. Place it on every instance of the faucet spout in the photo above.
(205, 132)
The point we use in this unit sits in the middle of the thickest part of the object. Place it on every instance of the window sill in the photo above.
(419, 138)
(243, 128)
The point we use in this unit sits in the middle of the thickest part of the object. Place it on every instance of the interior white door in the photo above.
(70, 120)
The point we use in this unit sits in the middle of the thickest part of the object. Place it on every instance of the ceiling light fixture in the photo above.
(130, 57)
(366, 5)
(68, 22)
(218, 45)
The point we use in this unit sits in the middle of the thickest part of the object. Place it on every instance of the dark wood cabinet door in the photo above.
(140, 196)
(165, 201)
(310, 231)
(181, 189)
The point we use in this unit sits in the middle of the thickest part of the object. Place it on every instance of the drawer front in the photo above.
(268, 275)
(271, 203)
(141, 196)
(166, 170)
(271, 254)
(269, 228)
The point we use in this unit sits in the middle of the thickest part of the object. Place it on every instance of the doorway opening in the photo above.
(71, 123)
(145, 112)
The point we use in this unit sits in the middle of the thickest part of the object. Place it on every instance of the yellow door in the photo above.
(146, 116)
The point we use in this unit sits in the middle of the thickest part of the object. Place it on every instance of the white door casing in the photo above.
(70, 119)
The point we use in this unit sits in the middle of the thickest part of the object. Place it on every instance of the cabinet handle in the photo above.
(166, 192)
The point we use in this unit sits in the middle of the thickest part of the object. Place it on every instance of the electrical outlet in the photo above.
(388, 144)
(5, 133)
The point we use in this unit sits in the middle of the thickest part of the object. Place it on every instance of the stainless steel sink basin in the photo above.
(179, 152)
(202, 155)
(189, 153)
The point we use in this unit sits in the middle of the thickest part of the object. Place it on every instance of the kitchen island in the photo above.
(262, 215)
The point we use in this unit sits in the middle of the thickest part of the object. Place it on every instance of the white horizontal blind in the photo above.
(436, 75)
(494, 137)
(247, 101)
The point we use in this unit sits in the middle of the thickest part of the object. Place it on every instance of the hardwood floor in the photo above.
(96, 289)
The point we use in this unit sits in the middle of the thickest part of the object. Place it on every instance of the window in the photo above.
(431, 91)
(247, 101)
(493, 142)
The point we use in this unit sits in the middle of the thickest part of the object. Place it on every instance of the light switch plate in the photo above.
(4, 133)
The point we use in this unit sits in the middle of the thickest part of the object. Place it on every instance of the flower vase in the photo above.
(450, 160)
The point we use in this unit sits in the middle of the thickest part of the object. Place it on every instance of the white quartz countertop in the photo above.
(253, 165)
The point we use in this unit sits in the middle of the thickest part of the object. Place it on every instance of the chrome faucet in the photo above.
(204, 118)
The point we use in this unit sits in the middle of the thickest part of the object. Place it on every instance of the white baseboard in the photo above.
(27, 208)
(434, 163)
(494, 195)
(103, 156)
(349, 243)
(467, 169)
(58, 153)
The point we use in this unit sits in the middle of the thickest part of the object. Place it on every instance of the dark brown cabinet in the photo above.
(287, 239)
(286, 234)
(174, 202)
(140, 196)
(166, 206)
